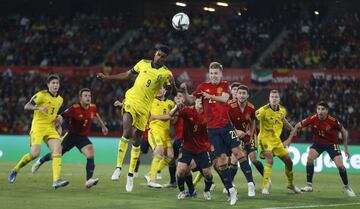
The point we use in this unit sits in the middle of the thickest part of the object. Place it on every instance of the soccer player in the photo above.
(195, 148)
(151, 76)
(159, 135)
(222, 135)
(325, 129)
(178, 123)
(46, 105)
(80, 117)
(242, 115)
(272, 119)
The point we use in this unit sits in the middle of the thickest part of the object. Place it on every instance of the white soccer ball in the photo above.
(181, 21)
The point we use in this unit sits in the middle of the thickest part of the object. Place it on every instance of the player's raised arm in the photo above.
(121, 76)
(190, 99)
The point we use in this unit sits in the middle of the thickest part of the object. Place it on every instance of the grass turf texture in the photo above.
(34, 191)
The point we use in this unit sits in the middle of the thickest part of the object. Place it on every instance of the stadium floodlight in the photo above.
(223, 4)
(316, 12)
(180, 4)
(239, 13)
(209, 9)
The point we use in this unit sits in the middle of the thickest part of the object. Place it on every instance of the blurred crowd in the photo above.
(321, 42)
(81, 40)
(342, 95)
(233, 40)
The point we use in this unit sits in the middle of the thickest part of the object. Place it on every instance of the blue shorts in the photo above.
(202, 160)
(332, 149)
(250, 147)
(176, 147)
(223, 139)
(71, 140)
(144, 146)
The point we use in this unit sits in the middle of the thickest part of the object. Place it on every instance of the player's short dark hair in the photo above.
(235, 84)
(83, 90)
(324, 104)
(163, 48)
(215, 65)
(52, 77)
(243, 87)
(274, 91)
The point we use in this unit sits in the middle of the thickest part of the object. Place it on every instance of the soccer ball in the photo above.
(181, 21)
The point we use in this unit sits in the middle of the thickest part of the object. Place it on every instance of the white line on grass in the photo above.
(314, 206)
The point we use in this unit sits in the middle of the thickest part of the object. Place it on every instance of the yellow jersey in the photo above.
(41, 119)
(147, 83)
(159, 107)
(271, 123)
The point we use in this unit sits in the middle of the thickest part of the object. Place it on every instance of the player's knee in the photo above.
(35, 153)
(207, 173)
(341, 168)
(269, 161)
(181, 171)
(310, 163)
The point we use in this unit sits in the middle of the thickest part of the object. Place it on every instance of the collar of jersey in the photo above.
(276, 109)
(51, 94)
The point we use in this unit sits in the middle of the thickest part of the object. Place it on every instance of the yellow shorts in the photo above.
(140, 115)
(277, 148)
(39, 135)
(159, 137)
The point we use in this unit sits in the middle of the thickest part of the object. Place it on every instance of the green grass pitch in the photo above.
(34, 191)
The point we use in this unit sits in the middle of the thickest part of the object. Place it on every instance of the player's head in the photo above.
(53, 83)
(233, 89)
(198, 104)
(242, 93)
(179, 98)
(274, 97)
(161, 92)
(215, 72)
(162, 51)
(85, 96)
(322, 109)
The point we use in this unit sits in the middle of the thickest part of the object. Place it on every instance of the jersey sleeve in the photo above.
(197, 92)
(37, 99)
(307, 121)
(68, 112)
(137, 68)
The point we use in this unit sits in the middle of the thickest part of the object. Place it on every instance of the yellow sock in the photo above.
(56, 166)
(122, 148)
(267, 174)
(155, 164)
(197, 178)
(163, 163)
(290, 176)
(135, 154)
(24, 161)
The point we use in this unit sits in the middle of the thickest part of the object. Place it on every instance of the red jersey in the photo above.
(80, 119)
(196, 138)
(241, 120)
(324, 131)
(216, 112)
(179, 128)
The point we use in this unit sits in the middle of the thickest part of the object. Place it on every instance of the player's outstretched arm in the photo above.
(104, 129)
(32, 106)
(292, 132)
(190, 99)
(223, 98)
(121, 76)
